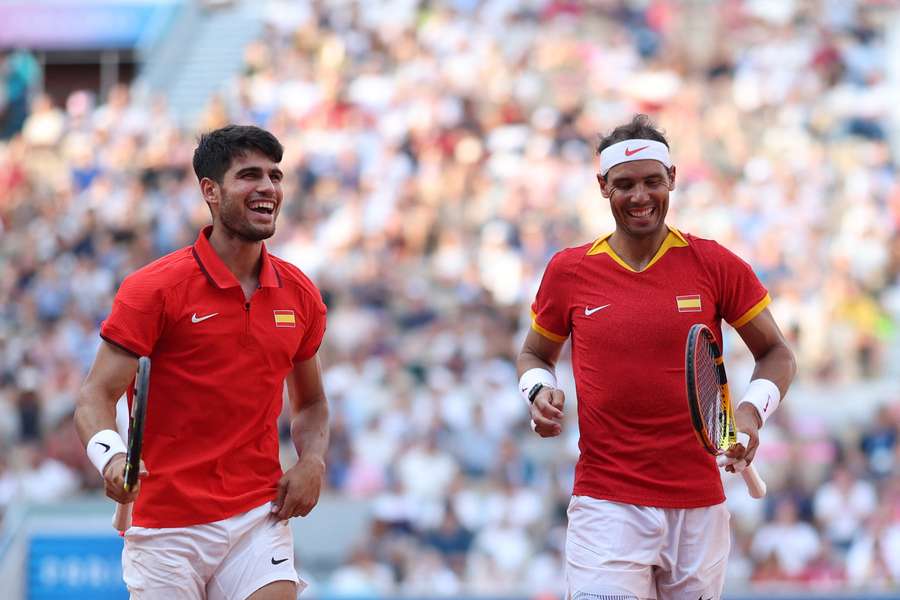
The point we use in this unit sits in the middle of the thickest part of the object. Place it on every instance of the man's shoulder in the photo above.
(696, 240)
(707, 248)
(572, 255)
(166, 271)
(293, 276)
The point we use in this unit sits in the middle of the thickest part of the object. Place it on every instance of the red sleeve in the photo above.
(550, 310)
(137, 316)
(315, 330)
(741, 294)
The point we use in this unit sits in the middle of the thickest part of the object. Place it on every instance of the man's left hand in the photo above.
(747, 420)
(299, 488)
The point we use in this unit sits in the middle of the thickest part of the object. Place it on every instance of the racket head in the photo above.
(707, 391)
(136, 423)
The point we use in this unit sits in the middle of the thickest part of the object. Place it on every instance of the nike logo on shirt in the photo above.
(196, 319)
(589, 311)
(277, 562)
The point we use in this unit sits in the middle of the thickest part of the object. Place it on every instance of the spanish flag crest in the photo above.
(688, 303)
(285, 318)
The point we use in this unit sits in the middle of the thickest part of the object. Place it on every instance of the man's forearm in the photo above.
(778, 366)
(309, 430)
(93, 412)
(529, 360)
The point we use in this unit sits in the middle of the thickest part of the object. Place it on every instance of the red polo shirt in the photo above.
(628, 334)
(218, 368)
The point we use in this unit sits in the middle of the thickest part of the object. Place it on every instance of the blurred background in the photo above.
(438, 152)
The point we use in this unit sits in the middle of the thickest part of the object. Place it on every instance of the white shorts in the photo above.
(620, 551)
(224, 560)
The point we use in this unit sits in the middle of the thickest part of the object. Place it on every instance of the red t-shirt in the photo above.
(628, 333)
(219, 364)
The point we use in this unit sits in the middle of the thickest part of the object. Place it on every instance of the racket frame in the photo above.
(755, 485)
(136, 421)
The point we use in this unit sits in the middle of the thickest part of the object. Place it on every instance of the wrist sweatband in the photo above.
(764, 395)
(532, 377)
(105, 444)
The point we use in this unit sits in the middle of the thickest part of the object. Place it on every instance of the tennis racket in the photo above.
(122, 518)
(710, 402)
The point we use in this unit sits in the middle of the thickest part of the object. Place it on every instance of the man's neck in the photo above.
(637, 252)
(240, 256)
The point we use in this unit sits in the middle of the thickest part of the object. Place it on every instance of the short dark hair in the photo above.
(216, 149)
(640, 128)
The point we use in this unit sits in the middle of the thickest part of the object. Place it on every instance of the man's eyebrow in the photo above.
(626, 178)
(258, 171)
(247, 170)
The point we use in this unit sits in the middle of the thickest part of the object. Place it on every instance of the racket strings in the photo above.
(710, 394)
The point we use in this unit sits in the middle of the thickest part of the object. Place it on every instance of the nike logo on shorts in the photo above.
(196, 319)
(589, 311)
(278, 562)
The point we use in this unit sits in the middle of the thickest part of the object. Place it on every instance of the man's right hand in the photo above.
(114, 480)
(547, 412)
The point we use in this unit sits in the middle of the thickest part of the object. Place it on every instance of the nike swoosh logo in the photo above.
(630, 152)
(589, 311)
(105, 446)
(196, 319)
(277, 562)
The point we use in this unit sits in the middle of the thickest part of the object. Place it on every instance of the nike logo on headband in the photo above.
(630, 152)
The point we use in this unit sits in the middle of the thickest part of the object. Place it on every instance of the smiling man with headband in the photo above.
(647, 517)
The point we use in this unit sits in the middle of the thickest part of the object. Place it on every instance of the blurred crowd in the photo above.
(437, 154)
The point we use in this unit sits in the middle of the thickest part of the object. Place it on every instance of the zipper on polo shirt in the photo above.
(246, 338)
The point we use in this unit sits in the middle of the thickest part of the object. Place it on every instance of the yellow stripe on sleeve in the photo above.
(546, 333)
(753, 312)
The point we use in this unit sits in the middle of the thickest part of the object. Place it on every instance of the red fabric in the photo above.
(211, 442)
(637, 444)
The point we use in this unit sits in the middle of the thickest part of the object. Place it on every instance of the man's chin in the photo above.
(248, 233)
(258, 235)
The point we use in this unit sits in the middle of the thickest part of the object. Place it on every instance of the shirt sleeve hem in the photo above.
(555, 337)
(120, 345)
(753, 312)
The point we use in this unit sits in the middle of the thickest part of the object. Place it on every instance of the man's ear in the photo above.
(671, 178)
(210, 190)
(604, 185)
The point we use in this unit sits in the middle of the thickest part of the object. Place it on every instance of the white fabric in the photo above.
(225, 560)
(102, 446)
(645, 552)
(630, 150)
(532, 377)
(764, 395)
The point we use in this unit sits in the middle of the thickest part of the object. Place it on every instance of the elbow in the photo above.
(792, 364)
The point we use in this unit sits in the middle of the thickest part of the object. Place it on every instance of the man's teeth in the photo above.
(263, 205)
(643, 212)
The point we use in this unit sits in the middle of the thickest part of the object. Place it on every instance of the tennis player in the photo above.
(647, 517)
(226, 324)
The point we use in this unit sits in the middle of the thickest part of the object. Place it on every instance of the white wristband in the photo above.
(532, 377)
(104, 444)
(764, 395)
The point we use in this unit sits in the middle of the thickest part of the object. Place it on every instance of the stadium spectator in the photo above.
(787, 545)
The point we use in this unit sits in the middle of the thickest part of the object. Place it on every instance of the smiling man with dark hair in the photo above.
(647, 517)
(226, 324)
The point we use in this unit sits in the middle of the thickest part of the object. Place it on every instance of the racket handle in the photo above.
(755, 485)
(122, 518)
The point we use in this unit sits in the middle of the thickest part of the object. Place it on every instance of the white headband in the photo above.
(633, 150)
